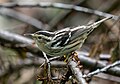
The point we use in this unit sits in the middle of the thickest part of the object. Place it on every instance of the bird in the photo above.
(64, 41)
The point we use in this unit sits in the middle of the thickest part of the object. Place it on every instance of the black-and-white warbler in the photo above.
(64, 41)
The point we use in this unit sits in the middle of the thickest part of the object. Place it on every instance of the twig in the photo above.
(22, 17)
(13, 38)
(76, 71)
(105, 69)
(51, 59)
(54, 58)
(58, 5)
(105, 7)
(94, 64)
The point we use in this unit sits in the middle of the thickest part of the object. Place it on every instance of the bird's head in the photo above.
(42, 36)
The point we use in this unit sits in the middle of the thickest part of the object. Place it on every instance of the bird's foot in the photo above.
(74, 57)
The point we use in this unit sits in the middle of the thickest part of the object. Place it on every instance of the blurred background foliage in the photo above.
(103, 40)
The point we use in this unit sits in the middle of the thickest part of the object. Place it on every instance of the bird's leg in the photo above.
(45, 66)
(48, 64)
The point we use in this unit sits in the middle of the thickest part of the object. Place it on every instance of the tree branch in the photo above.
(105, 69)
(22, 17)
(58, 5)
(94, 64)
(76, 71)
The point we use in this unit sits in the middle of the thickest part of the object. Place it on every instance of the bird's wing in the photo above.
(81, 30)
(61, 38)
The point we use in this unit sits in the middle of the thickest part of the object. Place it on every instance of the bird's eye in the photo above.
(39, 37)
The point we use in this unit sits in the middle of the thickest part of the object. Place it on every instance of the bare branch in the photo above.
(22, 17)
(18, 39)
(76, 71)
(94, 64)
(58, 5)
(105, 69)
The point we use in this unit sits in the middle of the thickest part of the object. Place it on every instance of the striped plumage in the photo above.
(63, 41)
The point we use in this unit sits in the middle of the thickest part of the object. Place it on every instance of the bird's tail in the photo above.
(96, 24)
(85, 30)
